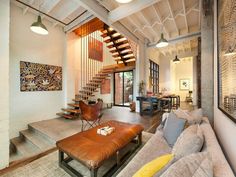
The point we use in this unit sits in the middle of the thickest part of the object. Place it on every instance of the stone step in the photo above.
(15, 156)
(24, 148)
(37, 140)
(35, 129)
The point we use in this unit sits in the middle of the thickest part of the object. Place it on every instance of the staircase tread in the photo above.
(67, 116)
(24, 148)
(73, 105)
(71, 110)
(37, 140)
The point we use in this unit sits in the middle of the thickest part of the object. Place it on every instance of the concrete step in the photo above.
(33, 127)
(15, 156)
(37, 140)
(24, 148)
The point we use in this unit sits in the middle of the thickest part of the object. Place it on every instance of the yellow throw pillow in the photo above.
(151, 168)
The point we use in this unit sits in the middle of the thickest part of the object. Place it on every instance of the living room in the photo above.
(86, 65)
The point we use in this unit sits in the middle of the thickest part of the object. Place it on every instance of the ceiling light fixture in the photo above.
(38, 27)
(229, 52)
(123, 1)
(176, 60)
(162, 42)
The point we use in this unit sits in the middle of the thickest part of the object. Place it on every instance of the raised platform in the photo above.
(41, 136)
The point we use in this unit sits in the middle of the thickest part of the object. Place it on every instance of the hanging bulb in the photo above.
(123, 1)
(176, 60)
(162, 42)
(38, 27)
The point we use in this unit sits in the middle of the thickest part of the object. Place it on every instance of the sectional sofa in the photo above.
(158, 146)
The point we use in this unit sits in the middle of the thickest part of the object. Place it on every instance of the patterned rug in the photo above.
(47, 166)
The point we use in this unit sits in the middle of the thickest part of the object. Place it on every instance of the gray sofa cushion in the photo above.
(155, 147)
(173, 128)
(194, 165)
(221, 167)
(190, 141)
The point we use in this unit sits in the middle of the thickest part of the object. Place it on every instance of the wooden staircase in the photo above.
(121, 50)
(86, 93)
(118, 45)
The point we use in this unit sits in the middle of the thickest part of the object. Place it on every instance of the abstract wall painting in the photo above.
(106, 86)
(184, 84)
(226, 18)
(95, 49)
(40, 77)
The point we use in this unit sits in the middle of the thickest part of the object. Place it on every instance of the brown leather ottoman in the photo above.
(91, 149)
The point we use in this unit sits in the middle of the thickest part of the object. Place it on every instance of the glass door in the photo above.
(123, 88)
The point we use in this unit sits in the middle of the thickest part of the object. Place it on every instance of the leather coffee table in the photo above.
(92, 150)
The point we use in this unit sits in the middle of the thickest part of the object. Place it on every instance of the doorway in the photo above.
(123, 88)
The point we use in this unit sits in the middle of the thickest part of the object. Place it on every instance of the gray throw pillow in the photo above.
(190, 141)
(194, 165)
(173, 128)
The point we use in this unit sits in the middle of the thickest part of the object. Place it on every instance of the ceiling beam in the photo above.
(159, 19)
(149, 25)
(180, 38)
(137, 28)
(185, 16)
(96, 9)
(173, 16)
(25, 10)
(67, 13)
(78, 22)
(47, 8)
(129, 9)
(200, 13)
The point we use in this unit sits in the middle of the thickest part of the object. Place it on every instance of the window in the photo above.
(154, 76)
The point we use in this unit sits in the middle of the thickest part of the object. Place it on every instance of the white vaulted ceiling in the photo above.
(68, 12)
(172, 17)
(179, 20)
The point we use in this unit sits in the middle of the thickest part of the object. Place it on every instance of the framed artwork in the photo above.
(226, 44)
(40, 77)
(184, 84)
(95, 49)
(106, 86)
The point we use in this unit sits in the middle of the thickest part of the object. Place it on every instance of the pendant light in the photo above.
(176, 60)
(162, 42)
(123, 1)
(38, 27)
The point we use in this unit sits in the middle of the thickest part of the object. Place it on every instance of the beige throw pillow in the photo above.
(190, 141)
(194, 165)
(193, 117)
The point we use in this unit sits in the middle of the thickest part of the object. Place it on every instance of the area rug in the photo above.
(47, 166)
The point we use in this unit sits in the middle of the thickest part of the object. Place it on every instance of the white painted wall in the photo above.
(169, 80)
(4, 80)
(182, 70)
(75, 79)
(27, 107)
(224, 127)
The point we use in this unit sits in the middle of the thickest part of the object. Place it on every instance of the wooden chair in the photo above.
(90, 114)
